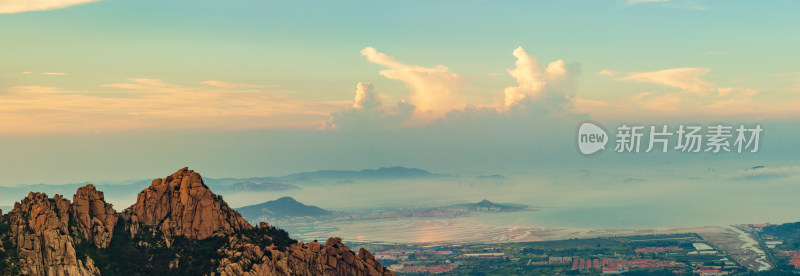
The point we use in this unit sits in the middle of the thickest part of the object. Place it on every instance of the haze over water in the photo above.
(580, 200)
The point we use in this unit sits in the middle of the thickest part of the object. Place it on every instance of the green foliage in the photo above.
(125, 255)
(9, 254)
(789, 232)
(268, 236)
(686, 246)
(147, 254)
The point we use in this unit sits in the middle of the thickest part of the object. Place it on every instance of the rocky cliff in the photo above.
(333, 258)
(94, 217)
(176, 227)
(40, 240)
(182, 205)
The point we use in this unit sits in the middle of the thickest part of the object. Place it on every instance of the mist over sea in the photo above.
(570, 201)
(564, 200)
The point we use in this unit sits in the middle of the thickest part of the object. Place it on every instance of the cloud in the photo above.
(154, 85)
(536, 83)
(45, 73)
(793, 79)
(689, 79)
(695, 96)
(795, 76)
(762, 173)
(687, 5)
(579, 105)
(433, 90)
(607, 73)
(234, 85)
(724, 102)
(367, 112)
(730, 101)
(154, 104)
(435, 93)
(657, 102)
(366, 98)
(16, 6)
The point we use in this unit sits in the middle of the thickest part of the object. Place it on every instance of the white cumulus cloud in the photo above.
(535, 82)
(689, 79)
(233, 85)
(16, 6)
(432, 89)
(366, 98)
(367, 112)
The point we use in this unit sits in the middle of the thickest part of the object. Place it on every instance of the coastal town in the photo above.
(735, 251)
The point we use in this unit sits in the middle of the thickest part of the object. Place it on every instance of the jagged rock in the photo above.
(181, 204)
(41, 235)
(95, 218)
(178, 205)
(334, 258)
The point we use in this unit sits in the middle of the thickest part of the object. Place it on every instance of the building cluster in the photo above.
(436, 269)
(711, 272)
(414, 260)
(560, 260)
(753, 227)
(794, 258)
(622, 265)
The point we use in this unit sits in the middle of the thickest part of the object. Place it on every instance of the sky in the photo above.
(122, 89)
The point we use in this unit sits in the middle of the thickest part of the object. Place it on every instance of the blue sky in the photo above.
(253, 79)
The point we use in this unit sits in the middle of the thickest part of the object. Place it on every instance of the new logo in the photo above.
(591, 138)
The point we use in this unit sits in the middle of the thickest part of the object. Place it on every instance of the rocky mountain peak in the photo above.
(94, 217)
(39, 227)
(181, 204)
(53, 236)
(40, 213)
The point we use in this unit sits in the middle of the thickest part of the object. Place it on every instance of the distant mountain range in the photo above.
(491, 177)
(295, 181)
(488, 206)
(389, 173)
(249, 186)
(288, 210)
(282, 208)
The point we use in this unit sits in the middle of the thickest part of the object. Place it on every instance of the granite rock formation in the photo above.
(176, 226)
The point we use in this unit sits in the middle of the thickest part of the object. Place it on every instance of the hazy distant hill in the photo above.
(129, 188)
(227, 181)
(285, 207)
(488, 206)
(491, 177)
(380, 174)
(9, 195)
(250, 186)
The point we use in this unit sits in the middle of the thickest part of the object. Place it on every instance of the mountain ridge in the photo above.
(289, 182)
(176, 227)
(281, 208)
(396, 172)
